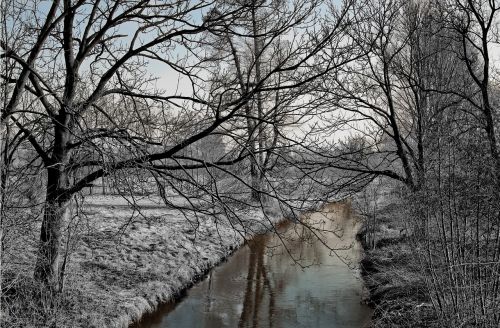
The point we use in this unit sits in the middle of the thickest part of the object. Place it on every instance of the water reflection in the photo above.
(257, 286)
(290, 280)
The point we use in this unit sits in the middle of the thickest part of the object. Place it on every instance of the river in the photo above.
(287, 280)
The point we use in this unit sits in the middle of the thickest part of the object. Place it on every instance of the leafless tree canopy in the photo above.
(82, 99)
(237, 104)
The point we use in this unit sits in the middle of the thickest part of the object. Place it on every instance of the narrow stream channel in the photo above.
(261, 285)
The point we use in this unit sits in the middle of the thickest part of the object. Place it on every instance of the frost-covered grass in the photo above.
(124, 260)
(129, 270)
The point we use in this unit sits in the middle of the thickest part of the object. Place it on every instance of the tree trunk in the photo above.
(255, 181)
(257, 178)
(47, 264)
(4, 168)
(56, 204)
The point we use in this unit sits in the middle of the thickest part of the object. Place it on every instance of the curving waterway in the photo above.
(292, 279)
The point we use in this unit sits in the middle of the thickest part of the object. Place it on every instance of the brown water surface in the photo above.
(286, 280)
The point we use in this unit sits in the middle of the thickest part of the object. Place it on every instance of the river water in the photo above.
(287, 280)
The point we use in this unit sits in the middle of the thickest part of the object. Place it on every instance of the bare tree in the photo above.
(423, 95)
(246, 52)
(84, 68)
(392, 94)
(475, 22)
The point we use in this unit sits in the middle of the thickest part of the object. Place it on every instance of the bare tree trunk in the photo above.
(4, 132)
(397, 136)
(490, 131)
(56, 204)
(257, 179)
(4, 168)
(47, 264)
(250, 125)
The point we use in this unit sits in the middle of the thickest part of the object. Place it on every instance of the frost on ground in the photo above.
(128, 260)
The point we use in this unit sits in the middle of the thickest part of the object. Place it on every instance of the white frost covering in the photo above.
(128, 261)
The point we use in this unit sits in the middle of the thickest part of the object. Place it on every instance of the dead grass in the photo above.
(392, 275)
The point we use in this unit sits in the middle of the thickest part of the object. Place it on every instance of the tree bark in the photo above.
(257, 178)
(56, 205)
(47, 264)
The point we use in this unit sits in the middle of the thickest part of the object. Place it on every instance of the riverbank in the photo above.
(285, 280)
(123, 261)
(392, 275)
